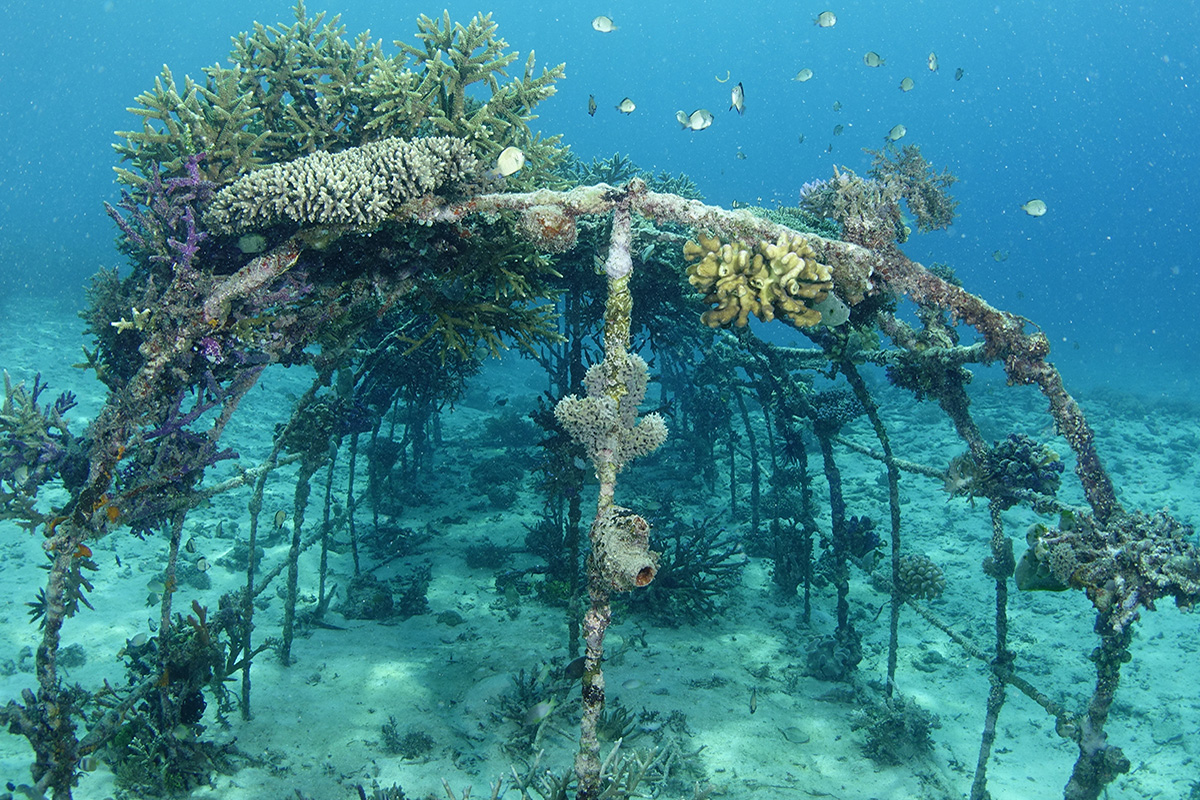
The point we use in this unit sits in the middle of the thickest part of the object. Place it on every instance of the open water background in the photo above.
(1091, 107)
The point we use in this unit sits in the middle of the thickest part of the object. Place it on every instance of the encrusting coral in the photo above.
(592, 419)
(360, 186)
(765, 280)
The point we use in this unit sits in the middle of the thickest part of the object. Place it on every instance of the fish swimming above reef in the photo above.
(826, 19)
(591, 105)
(933, 65)
(803, 75)
(737, 99)
(873, 59)
(603, 24)
(906, 85)
(510, 160)
(698, 120)
(896, 133)
(626, 106)
(1034, 208)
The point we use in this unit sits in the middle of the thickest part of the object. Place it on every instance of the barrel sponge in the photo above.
(782, 278)
(360, 186)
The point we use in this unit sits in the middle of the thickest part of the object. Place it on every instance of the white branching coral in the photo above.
(359, 186)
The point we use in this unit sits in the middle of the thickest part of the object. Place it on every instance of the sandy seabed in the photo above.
(317, 725)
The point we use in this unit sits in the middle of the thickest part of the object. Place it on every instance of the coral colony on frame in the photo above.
(323, 203)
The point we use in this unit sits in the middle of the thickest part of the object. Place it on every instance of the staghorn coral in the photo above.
(451, 59)
(763, 280)
(1123, 565)
(296, 89)
(361, 186)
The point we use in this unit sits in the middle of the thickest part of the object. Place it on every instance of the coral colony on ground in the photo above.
(325, 206)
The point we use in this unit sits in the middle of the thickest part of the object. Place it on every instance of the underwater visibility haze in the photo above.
(546, 401)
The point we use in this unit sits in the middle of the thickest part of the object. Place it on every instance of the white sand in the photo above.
(317, 724)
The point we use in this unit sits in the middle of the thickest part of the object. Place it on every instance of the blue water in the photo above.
(1089, 106)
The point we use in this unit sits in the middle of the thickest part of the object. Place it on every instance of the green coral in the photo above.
(304, 87)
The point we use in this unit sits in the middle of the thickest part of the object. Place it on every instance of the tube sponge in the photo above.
(782, 278)
(622, 551)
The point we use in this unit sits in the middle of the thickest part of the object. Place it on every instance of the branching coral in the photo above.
(301, 88)
(360, 186)
(908, 175)
(762, 280)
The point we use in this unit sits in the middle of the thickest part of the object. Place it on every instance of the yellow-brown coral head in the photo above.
(782, 278)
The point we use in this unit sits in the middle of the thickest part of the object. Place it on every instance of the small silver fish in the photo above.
(738, 99)
(280, 518)
(698, 120)
(191, 545)
(897, 133)
(1034, 208)
(538, 712)
(825, 19)
(933, 65)
(906, 85)
(803, 75)
(873, 59)
(603, 24)
(626, 106)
